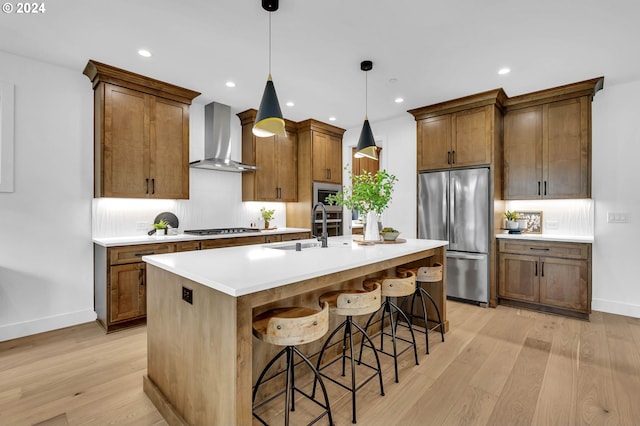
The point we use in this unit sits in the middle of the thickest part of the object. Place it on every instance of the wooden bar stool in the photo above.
(424, 274)
(348, 303)
(393, 287)
(288, 327)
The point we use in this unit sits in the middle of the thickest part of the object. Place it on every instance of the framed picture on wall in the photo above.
(534, 220)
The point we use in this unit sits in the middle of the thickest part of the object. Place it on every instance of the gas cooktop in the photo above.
(218, 231)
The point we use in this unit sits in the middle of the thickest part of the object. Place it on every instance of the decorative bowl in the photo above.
(390, 236)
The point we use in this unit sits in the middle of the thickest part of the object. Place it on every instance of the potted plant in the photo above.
(161, 227)
(389, 234)
(370, 194)
(267, 215)
(511, 219)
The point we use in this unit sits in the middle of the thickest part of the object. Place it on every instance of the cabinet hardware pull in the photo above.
(144, 254)
(542, 269)
(538, 188)
(539, 249)
(536, 273)
(453, 157)
(153, 186)
(448, 157)
(545, 187)
(141, 276)
(147, 184)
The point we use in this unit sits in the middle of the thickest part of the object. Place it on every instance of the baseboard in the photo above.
(41, 325)
(613, 307)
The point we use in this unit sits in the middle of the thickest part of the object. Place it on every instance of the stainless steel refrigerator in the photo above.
(454, 206)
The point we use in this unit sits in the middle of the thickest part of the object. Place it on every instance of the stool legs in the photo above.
(388, 307)
(348, 324)
(290, 387)
(421, 293)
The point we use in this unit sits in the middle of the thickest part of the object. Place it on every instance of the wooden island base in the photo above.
(202, 357)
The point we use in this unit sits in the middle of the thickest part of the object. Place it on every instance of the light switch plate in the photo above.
(617, 217)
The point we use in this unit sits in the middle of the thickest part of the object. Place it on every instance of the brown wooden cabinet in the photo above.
(459, 139)
(549, 276)
(327, 157)
(276, 158)
(120, 290)
(365, 164)
(141, 136)
(547, 143)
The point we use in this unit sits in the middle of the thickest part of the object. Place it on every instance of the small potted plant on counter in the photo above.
(389, 234)
(267, 216)
(161, 227)
(370, 194)
(511, 219)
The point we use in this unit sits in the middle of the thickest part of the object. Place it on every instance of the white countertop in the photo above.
(548, 237)
(242, 270)
(153, 239)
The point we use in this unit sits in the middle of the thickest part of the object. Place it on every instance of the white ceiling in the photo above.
(435, 50)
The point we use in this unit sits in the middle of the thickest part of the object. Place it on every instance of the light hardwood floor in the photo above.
(501, 366)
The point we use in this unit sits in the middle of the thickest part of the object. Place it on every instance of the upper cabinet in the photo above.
(459, 133)
(276, 158)
(323, 142)
(141, 135)
(365, 164)
(547, 143)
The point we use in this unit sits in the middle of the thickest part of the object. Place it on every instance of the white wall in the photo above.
(616, 173)
(46, 259)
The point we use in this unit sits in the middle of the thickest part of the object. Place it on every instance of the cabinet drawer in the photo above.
(187, 245)
(295, 236)
(131, 254)
(548, 249)
(230, 242)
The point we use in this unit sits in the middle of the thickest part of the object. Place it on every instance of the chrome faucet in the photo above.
(325, 235)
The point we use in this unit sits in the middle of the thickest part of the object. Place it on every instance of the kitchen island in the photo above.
(200, 305)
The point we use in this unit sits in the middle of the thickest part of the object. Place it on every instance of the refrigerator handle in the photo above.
(452, 212)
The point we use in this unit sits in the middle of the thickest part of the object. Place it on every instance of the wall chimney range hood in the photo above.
(217, 141)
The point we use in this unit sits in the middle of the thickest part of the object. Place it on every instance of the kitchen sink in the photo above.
(292, 246)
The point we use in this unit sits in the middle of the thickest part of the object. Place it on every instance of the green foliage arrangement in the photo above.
(510, 215)
(163, 224)
(368, 192)
(267, 215)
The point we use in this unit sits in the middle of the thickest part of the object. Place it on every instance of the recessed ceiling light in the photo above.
(230, 84)
(503, 71)
(399, 100)
(144, 52)
(332, 119)
(290, 104)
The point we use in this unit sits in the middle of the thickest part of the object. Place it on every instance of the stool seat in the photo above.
(291, 325)
(288, 327)
(352, 301)
(431, 274)
(393, 286)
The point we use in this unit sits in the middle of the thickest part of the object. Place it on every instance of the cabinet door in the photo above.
(287, 173)
(127, 292)
(523, 153)
(472, 144)
(364, 164)
(563, 283)
(326, 158)
(125, 164)
(566, 150)
(169, 149)
(265, 177)
(434, 142)
(518, 277)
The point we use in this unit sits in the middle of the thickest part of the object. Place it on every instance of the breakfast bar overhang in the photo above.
(200, 353)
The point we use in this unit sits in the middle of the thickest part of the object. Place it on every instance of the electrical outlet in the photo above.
(142, 226)
(551, 224)
(187, 295)
(617, 217)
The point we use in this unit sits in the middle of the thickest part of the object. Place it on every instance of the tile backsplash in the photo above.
(561, 217)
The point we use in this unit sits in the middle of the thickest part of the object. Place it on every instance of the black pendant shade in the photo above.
(269, 120)
(366, 144)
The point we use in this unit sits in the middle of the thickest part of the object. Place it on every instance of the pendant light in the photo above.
(366, 144)
(269, 119)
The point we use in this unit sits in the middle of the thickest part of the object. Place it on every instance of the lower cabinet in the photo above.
(120, 291)
(547, 276)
